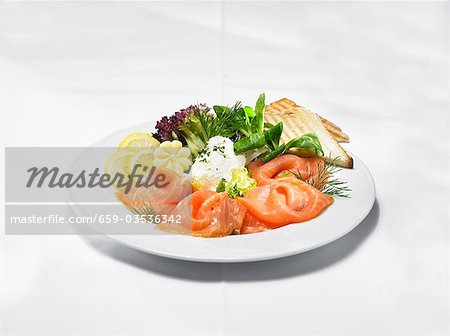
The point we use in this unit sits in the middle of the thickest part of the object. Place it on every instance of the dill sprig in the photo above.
(227, 123)
(325, 181)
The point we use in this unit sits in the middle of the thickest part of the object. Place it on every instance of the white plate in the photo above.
(339, 219)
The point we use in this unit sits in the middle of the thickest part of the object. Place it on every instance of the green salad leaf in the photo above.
(239, 184)
(269, 138)
(308, 144)
(273, 135)
(248, 120)
(222, 185)
(258, 134)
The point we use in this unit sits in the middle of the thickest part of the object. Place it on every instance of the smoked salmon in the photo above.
(283, 201)
(278, 200)
(285, 165)
(206, 213)
(156, 200)
(252, 224)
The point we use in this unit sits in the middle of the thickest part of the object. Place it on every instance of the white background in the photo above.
(72, 73)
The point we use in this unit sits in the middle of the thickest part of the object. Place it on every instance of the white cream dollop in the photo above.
(215, 162)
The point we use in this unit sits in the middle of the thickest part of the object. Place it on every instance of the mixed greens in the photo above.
(248, 135)
(249, 120)
(244, 125)
(195, 125)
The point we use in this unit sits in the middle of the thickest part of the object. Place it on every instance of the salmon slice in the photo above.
(285, 165)
(252, 224)
(156, 200)
(206, 213)
(252, 166)
(284, 201)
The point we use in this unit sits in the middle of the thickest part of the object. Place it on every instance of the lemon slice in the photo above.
(144, 157)
(119, 162)
(139, 139)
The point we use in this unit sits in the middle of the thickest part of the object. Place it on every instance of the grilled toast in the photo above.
(298, 120)
(284, 104)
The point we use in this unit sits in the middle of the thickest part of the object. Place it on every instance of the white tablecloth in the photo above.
(72, 73)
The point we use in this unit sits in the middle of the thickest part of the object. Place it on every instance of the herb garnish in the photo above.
(326, 182)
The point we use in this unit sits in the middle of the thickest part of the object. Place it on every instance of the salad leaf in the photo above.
(239, 185)
(222, 185)
(260, 104)
(269, 138)
(249, 113)
(273, 135)
(308, 143)
(252, 141)
(268, 125)
(257, 133)
(195, 132)
(220, 110)
(259, 113)
(250, 120)
(167, 128)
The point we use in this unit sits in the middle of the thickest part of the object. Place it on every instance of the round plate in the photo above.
(339, 219)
